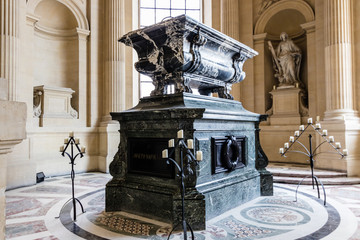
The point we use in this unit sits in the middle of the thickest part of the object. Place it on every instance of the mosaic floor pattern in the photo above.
(33, 213)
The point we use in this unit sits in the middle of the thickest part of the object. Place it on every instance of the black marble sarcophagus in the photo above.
(189, 55)
(185, 53)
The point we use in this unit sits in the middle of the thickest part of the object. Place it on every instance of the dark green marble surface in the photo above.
(207, 194)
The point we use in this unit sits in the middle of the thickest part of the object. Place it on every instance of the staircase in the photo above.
(293, 174)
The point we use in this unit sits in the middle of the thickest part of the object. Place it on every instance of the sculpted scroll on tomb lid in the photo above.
(188, 54)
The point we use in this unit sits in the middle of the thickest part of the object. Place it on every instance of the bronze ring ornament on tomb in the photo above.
(230, 153)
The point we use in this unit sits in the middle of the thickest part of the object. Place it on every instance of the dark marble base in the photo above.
(209, 201)
(266, 183)
(208, 193)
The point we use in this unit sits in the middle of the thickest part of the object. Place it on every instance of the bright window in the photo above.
(154, 11)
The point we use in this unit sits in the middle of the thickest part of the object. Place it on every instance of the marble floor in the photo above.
(41, 212)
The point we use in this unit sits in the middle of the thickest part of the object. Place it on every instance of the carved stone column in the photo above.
(340, 104)
(114, 69)
(338, 60)
(9, 34)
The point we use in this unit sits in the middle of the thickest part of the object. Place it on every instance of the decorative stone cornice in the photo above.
(6, 146)
(82, 33)
(52, 33)
(31, 19)
(258, 38)
(309, 27)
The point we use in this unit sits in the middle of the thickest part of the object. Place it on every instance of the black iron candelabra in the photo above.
(184, 148)
(73, 143)
(311, 153)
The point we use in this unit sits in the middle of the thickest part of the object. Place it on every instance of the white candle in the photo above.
(324, 132)
(297, 85)
(302, 128)
(83, 148)
(331, 139)
(318, 118)
(180, 134)
(171, 143)
(291, 139)
(318, 126)
(190, 144)
(345, 152)
(310, 120)
(296, 133)
(338, 145)
(77, 140)
(281, 150)
(274, 87)
(165, 153)
(61, 148)
(66, 140)
(286, 145)
(71, 134)
(199, 155)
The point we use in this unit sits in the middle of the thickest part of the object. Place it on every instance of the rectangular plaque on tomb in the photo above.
(145, 157)
(223, 151)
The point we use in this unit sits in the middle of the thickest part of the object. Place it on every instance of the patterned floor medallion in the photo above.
(31, 213)
(121, 224)
(275, 215)
(239, 230)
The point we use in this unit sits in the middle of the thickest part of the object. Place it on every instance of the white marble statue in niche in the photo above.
(286, 61)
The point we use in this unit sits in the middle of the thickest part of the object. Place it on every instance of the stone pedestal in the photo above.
(52, 105)
(144, 184)
(287, 107)
(12, 132)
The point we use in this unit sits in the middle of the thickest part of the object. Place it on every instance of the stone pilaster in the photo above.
(11, 133)
(260, 76)
(338, 60)
(229, 25)
(9, 37)
(230, 18)
(309, 28)
(82, 38)
(114, 67)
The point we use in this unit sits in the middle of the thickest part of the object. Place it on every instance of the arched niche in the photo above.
(288, 16)
(56, 60)
(60, 31)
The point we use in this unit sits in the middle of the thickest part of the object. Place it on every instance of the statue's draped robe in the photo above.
(289, 58)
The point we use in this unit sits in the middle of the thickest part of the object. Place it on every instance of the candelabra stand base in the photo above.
(317, 181)
(74, 206)
(184, 223)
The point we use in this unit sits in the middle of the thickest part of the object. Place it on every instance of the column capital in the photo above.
(82, 33)
(31, 19)
(258, 38)
(309, 27)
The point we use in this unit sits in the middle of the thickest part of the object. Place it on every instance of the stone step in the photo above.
(300, 173)
(294, 173)
(325, 181)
